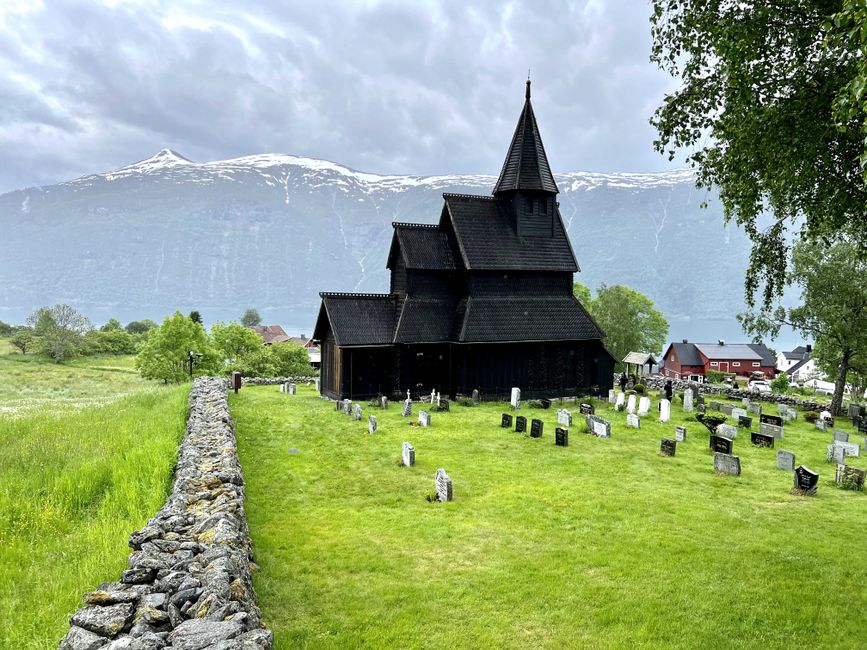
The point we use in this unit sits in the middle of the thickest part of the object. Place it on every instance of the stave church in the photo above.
(482, 300)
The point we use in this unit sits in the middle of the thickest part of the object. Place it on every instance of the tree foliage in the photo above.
(833, 309)
(164, 355)
(112, 325)
(628, 318)
(113, 341)
(234, 341)
(22, 339)
(251, 318)
(58, 331)
(196, 317)
(771, 107)
(140, 326)
(6, 329)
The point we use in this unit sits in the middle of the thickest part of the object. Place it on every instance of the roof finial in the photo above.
(527, 94)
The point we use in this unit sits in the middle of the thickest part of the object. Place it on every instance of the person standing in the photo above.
(623, 382)
(668, 390)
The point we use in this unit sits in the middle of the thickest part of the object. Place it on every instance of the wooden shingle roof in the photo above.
(487, 239)
(358, 318)
(423, 246)
(425, 321)
(544, 318)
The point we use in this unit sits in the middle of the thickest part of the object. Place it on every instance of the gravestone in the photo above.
(621, 400)
(755, 409)
(599, 427)
(664, 410)
(383, 401)
(443, 485)
(727, 430)
(680, 434)
(786, 460)
(721, 444)
(283, 387)
(668, 447)
(851, 448)
(699, 400)
(587, 409)
(515, 401)
(520, 424)
(445, 405)
(715, 406)
(475, 397)
(612, 396)
(371, 424)
(806, 480)
(633, 421)
(407, 408)
(852, 476)
(293, 389)
(745, 422)
(821, 425)
(408, 455)
(236, 382)
(546, 403)
(630, 404)
(356, 412)
(424, 418)
(726, 409)
(347, 407)
(536, 427)
(738, 413)
(561, 437)
(506, 421)
(771, 430)
(318, 385)
(762, 440)
(775, 420)
(855, 410)
(835, 454)
(339, 405)
(840, 436)
(726, 464)
(643, 406)
(862, 425)
(687, 401)
(745, 402)
(564, 417)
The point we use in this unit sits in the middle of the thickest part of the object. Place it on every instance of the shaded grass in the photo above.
(603, 544)
(72, 488)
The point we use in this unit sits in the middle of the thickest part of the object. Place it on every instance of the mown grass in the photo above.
(31, 383)
(603, 544)
(73, 486)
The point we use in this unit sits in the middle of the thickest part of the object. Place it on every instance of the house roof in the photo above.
(762, 350)
(803, 362)
(639, 358)
(687, 355)
(487, 239)
(797, 354)
(423, 246)
(526, 165)
(358, 318)
(271, 333)
(425, 321)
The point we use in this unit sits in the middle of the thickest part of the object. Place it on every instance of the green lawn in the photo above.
(603, 544)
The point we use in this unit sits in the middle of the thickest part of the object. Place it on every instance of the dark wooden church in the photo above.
(483, 300)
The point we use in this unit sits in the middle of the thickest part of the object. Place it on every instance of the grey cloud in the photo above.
(409, 87)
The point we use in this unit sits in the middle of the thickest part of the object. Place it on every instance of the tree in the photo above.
(251, 318)
(833, 309)
(165, 353)
(115, 341)
(291, 360)
(234, 341)
(771, 106)
(196, 317)
(22, 339)
(140, 326)
(6, 329)
(628, 318)
(58, 331)
(113, 325)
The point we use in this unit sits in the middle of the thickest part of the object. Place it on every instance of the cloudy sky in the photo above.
(392, 87)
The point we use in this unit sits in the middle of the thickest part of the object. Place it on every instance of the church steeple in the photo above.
(526, 165)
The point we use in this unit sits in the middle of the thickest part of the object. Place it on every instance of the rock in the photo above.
(196, 634)
(112, 597)
(254, 640)
(151, 616)
(80, 639)
(156, 600)
(125, 643)
(138, 575)
(106, 621)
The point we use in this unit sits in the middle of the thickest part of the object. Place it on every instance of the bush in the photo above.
(780, 384)
(112, 341)
(534, 404)
(811, 416)
(691, 417)
(466, 401)
(640, 388)
(711, 420)
(714, 376)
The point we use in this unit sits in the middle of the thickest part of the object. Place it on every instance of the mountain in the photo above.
(271, 231)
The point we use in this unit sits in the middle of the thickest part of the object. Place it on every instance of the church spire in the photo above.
(526, 165)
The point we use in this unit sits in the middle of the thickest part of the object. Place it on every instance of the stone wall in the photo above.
(273, 381)
(188, 585)
(731, 393)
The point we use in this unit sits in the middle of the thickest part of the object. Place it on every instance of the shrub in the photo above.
(780, 383)
(711, 420)
(811, 416)
(640, 388)
(714, 376)
(466, 401)
(534, 404)
(112, 341)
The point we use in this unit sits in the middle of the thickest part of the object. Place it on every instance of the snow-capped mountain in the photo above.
(270, 231)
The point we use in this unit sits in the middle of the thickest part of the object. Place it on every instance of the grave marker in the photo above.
(851, 476)
(835, 454)
(715, 406)
(745, 402)
(318, 385)
(745, 422)
(821, 425)
(762, 440)
(775, 420)
(356, 412)
(443, 485)
(643, 406)
(516, 398)
(564, 417)
(621, 400)
(371, 424)
(786, 460)
(384, 402)
(806, 480)
(668, 447)
(630, 404)
(561, 437)
(738, 413)
(293, 389)
(520, 424)
(687, 401)
(408, 455)
(475, 397)
(407, 408)
(727, 430)
(721, 444)
(851, 448)
(612, 396)
(664, 410)
(347, 407)
(840, 436)
(536, 427)
(680, 434)
(586, 409)
(726, 464)
(633, 421)
(726, 409)
(506, 421)
(424, 418)
(755, 409)
(771, 430)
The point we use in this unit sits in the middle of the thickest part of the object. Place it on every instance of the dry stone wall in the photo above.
(273, 381)
(732, 393)
(188, 585)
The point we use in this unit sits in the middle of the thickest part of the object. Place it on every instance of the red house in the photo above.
(687, 360)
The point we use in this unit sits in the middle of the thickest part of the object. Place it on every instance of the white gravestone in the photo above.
(318, 385)
(771, 430)
(727, 431)
(840, 436)
(836, 453)
(630, 405)
(786, 460)
(356, 412)
(612, 396)
(516, 398)
(664, 410)
(680, 434)
(632, 421)
(643, 406)
(283, 388)
(384, 402)
(408, 454)
(564, 417)
(347, 407)
(443, 485)
(293, 389)
(687, 402)
(621, 400)
(850, 448)
(424, 418)
(738, 413)
(601, 428)
(371, 424)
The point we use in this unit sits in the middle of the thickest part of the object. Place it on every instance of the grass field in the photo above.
(31, 383)
(72, 487)
(603, 544)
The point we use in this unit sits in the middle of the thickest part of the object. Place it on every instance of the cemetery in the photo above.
(459, 545)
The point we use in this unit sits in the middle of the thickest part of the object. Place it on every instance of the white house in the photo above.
(799, 364)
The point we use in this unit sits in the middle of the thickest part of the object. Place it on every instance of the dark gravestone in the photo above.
(862, 425)
(855, 410)
(587, 409)
(776, 420)
(506, 421)
(444, 405)
(668, 447)
(806, 481)
(561, 437)
(721, 444)
(520, 424)
(546, 403)
(536, 427)
(745, 421)
(701, 408)
(762, 440)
